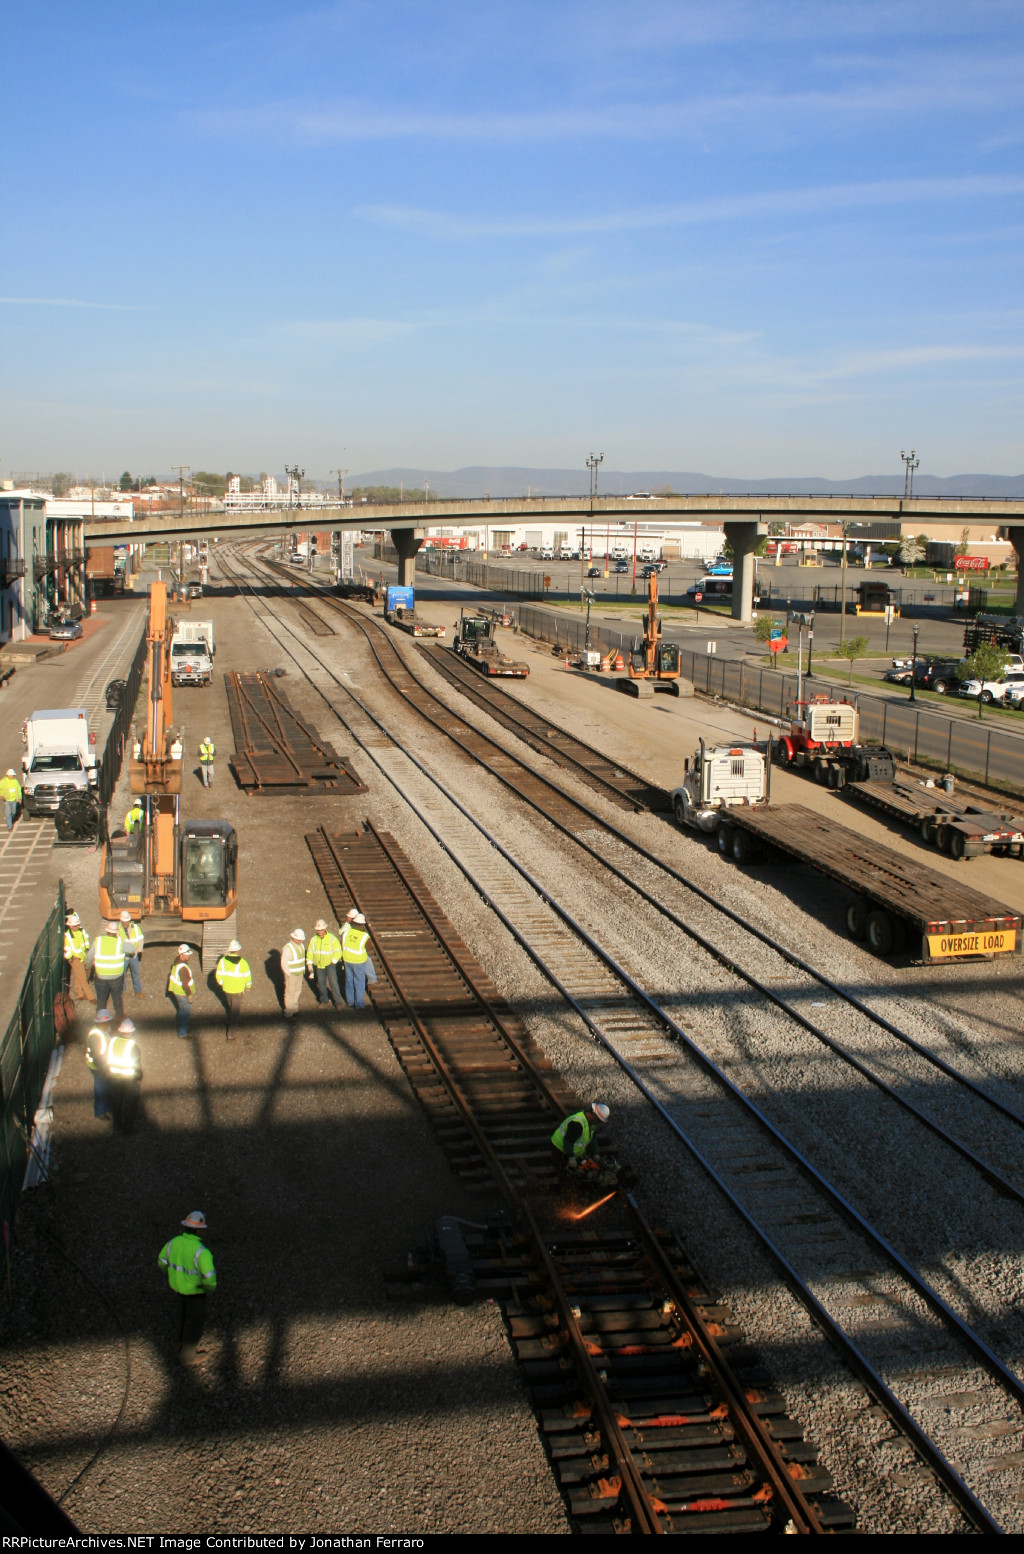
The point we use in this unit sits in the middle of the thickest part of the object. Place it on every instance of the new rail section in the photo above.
(802, 1173)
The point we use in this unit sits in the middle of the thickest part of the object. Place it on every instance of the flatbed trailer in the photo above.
(897, 904)
(962, 831)
(415, 625)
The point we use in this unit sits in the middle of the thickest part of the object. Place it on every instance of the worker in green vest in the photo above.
(574, 1137)
(108, 970)
(233, 978)
(10, 792)
(358, 965)
(322, 957)
(191, 1276)
(97, 1042)
(207, 751)
(76, 947)
(181, 985)
(133, 819)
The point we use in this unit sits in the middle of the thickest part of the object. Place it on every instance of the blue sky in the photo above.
(744, 238)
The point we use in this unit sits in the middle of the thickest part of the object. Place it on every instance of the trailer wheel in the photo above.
(857, 918)
(725, 841)
(820, 772)
(942, 839)
(743, 846)
(957, 845)
(881, 933)
(928, 830)
(780, 753)
(832, 776)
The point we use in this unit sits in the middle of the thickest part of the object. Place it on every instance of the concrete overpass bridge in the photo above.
(744, 518)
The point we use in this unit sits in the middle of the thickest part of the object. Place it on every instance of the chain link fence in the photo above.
(923, 736)
(25, 1055)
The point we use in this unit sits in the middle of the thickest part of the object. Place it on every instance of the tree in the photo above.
(125, 483)
(853, 648)
(964, 546)
(911, 550)
(61, 482)
(987, 662)
(759, 550)
(763, 627)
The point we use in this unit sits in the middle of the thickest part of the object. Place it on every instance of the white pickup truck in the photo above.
(192, 653)
(717, 780)
(59, 759)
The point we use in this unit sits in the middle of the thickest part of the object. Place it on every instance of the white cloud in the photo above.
(738, 207)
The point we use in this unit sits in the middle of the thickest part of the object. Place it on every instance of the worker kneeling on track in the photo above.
(573, 1142)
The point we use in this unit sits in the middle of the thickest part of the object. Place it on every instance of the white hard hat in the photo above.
(351, 913)
(319, 926)
(126, 917)
(73, 920)
(184, 949)
(126, 1028)
(103, 1017)
(358, 918)
(112, 926)
(195, 1221)
(10, 771)
(600, 1110)
(297, 933)
(234, 948)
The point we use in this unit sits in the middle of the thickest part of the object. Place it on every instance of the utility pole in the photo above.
(911, 461)
(592, 463)
(341, 473)
(294, 473)
(183, 470)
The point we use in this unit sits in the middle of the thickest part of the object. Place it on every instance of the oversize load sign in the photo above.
(994, 941)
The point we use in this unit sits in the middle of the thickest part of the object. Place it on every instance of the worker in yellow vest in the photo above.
(322, 959)
(191, 1276)
(293, 970)
(97, 1042)
(76, 947)
(234, 979)
(358, 965)
(133, 819)
(131, 936)
(574, 1136)
(124, 1065)
(10, 792)
(180, 985)
(207, 752)
(108, 970)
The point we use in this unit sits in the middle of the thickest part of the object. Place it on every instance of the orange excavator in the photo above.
(652, 665)
(167, 868)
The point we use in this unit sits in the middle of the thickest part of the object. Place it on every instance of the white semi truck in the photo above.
(192, 653)
(59, 758)
(719, 780)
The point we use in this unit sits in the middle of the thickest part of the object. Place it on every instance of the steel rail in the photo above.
(763, 1448)
(987, 1171)
(789, 956)
(972, 1507)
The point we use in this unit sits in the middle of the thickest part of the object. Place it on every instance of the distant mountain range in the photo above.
(497, 481)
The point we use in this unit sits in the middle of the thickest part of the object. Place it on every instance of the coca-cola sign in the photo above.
(971, 563)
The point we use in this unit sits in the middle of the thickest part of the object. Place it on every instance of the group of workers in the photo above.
(320, 959)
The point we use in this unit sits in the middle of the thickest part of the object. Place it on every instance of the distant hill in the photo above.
(498, 481)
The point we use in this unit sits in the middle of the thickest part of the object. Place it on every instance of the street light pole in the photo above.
(913, 668)
(842, 600)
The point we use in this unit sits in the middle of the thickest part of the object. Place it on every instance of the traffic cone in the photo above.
(620, 662)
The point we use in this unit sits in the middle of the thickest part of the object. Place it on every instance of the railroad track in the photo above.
(804, 1259)
(275, 750)
(656, 1414)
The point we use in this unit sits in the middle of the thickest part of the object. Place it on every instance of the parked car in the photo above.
(899, 676)
(622, 566)
(650, 569)
(939, 674)
(594, 571)
(990, 691)
(720, 569)
(1014, 697)
(65, 631)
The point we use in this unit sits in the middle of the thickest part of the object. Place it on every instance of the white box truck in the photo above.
(192, 653)
(59, 759)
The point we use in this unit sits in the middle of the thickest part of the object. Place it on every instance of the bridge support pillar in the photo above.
(407, 542)
(1015, 534)
(743, 537)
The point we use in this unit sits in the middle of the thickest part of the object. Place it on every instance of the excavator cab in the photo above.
(209, 869)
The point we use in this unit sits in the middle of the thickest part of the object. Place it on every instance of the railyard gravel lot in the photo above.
(320, 1405)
